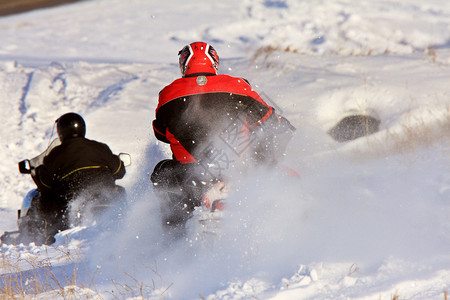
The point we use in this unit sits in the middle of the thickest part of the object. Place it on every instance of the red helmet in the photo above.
(198, 57)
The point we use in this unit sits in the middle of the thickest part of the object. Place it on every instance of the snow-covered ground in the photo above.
(366, 219)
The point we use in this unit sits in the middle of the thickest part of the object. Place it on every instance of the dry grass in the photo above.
(415, 131)
(263, 54)
(31, 275)
(397, 296)
(418, 133)
(34, 276)
(20, 284)
(137, 288)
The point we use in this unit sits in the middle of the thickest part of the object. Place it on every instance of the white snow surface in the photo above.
(366, 219)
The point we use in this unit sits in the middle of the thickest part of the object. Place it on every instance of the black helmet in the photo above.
(69, 126)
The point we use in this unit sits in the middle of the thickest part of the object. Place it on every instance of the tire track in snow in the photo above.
(60, 78)
(109, 92)
(23, 104)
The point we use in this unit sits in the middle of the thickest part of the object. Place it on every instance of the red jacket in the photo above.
(193, 110)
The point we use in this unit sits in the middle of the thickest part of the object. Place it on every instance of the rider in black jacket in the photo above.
(78, 166)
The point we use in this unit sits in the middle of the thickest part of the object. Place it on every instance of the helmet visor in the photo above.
(214, 57)
(185, 55)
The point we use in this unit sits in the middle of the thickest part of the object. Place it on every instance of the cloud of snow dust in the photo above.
(352, 214)
(133, 240)
(337, 208)
(366, 210)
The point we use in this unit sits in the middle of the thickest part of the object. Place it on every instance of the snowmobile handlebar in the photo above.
(126, 158)
(25, 166)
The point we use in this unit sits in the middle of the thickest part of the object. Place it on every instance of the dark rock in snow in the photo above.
(353, 127)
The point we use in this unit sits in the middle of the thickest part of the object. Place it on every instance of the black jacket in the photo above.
(74, 165)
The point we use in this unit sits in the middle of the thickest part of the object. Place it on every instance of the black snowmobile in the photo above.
(32, 224)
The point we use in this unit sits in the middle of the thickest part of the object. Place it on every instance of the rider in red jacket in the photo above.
(212, 123)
